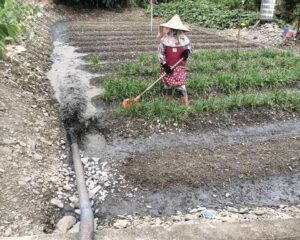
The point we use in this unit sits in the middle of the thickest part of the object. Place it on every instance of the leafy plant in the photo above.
(207, 13)
(95, 61)
(12, 13)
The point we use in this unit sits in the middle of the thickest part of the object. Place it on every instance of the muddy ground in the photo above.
(214, 166)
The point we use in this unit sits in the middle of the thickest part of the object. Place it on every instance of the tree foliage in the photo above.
(104, 3)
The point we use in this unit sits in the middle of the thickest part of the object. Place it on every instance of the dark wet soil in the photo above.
(137, 127)
(221, 164)
(265, 191)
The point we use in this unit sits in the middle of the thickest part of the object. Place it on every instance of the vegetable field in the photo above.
(216, 83)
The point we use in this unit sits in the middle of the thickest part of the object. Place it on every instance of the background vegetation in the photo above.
(210, 13)
(12, 13)
(226, 13)
(105, 3)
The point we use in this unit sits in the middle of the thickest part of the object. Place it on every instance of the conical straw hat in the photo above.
(175, 23)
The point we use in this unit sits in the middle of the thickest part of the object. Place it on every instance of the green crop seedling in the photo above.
(263, 78)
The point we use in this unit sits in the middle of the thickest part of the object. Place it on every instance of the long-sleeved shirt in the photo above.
(172, 39)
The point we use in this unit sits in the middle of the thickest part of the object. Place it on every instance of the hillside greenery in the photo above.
(208, 13)
(12, 14)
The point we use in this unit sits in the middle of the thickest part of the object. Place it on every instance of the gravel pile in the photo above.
(268, 34)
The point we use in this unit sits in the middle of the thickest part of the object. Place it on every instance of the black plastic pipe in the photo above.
(86, 228)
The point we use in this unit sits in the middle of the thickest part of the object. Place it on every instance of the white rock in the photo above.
(26, 179)
(94, 191)
(189, 217)
(57, 203)
(176, 218)
(74, 199)
(67, 187)
(77, 211)
(259, 212)
(22, 183)
(22, 144)
(121, 223)
(85, 160)
(96, 159)
(201, 209)
(37, 156)
(65, 223)
(75, 228)
(194, 211)
(8, 232)
(39, 14)
(54, 179)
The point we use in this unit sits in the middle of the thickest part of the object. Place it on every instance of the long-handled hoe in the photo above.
(130, 101)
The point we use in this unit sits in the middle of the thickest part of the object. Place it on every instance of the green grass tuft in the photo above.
(216, 83)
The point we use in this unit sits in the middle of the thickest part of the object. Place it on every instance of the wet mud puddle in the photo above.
(115, 189)
(70, 83)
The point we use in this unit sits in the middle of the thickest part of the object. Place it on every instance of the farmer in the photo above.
(174, 45)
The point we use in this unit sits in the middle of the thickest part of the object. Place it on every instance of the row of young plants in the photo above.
(216, 82)
(12, 13)
(207, 13)
(160, 108)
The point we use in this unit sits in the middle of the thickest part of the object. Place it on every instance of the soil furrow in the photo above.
(114, 56)
(127, 33)
(93, 42)
(138, 31)
(136, 38)
(147, 48)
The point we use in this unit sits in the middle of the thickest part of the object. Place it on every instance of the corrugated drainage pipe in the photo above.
(86, 229)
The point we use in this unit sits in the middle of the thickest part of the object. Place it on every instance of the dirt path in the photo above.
(31, 136)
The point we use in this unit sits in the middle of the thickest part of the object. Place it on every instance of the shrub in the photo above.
(208, 14)
(104, 3)
(12, 12)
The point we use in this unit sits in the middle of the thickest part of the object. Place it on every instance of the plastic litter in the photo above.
(208, 213)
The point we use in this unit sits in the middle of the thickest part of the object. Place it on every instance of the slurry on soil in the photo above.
(70, 83)
(75, 95)
(267, 191)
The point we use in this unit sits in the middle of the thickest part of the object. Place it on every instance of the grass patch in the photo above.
(95, 60)
(216, 82)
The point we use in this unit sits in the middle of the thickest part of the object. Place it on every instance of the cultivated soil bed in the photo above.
(138, 127)
(213, 166)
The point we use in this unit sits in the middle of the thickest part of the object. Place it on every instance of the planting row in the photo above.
(217, 81)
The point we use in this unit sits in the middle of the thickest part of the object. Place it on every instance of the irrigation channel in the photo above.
(162, 174)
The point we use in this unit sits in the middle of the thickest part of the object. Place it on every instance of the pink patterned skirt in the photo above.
(177, 78)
